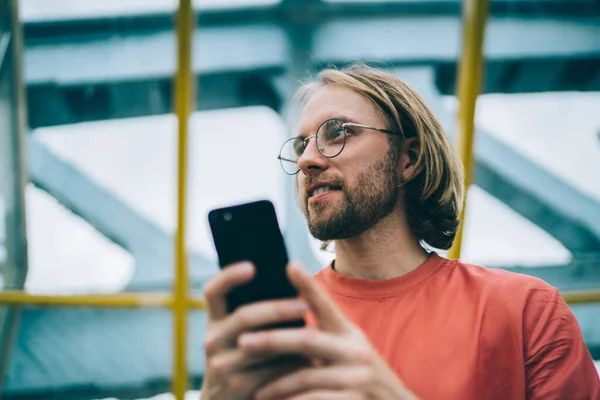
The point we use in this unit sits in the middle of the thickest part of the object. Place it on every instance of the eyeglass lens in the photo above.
(330, 141)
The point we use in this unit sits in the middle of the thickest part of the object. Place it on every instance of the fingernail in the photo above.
(247, 340)
(244, 268)
(298, 306)
(298, 267)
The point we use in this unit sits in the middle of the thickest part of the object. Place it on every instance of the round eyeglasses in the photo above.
(330, 139)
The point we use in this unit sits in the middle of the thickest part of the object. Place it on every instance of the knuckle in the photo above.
(364, 377)
(305, 378)
(362, 354)
(215, 366)
(244, 316)
(311, 334)
(308, 337)
(285, 309)
(211, 344)
(210, 290)
(280, 310)
(237, 383)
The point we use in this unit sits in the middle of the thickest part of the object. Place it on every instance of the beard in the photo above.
(374, 197)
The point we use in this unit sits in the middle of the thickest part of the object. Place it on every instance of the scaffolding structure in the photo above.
(180, 302)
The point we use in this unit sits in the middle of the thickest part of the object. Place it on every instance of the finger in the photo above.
(244, 384)
(330, 317)
(308, 342)
(230, 361)
(328, 395)
(253, 316)
(336, 378)
(217, 288)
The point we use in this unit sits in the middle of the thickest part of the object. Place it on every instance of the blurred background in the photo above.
(88, 157)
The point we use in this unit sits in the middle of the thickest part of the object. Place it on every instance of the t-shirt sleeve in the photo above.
(558, 363)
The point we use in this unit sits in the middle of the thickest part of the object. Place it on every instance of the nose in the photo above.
(312, 161)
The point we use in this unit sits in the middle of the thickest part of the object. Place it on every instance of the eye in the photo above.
(337, 133)
(298, 147)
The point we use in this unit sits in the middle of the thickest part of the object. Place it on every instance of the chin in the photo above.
(321, 208)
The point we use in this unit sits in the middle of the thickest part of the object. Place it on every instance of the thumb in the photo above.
(329, 316)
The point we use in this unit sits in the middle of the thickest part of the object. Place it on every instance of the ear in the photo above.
(409, 151)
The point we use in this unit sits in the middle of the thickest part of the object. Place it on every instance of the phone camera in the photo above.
(227, 216)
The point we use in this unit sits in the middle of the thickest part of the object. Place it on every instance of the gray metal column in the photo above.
(299, 27)
(13, 241)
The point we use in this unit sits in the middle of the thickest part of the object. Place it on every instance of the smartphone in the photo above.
(250, 232)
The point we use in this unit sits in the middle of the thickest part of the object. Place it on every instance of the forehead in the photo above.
(331, 101)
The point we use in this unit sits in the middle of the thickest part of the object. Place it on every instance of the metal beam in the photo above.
(84, 78)
(94, 353)
(581, 274)
(425, 39)
(13, 174)
(68, 22)
(54, 104)
(149, 244)
(569, 215)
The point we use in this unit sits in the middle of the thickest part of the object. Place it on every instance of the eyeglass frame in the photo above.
(304, 140)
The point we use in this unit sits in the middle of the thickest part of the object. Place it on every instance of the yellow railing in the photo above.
(468, 87)
(120, 300)
(184, 102)
(469, 83)
(180, 301)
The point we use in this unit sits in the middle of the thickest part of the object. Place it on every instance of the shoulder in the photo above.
(517, 301)
(502, 286)
(528, 307)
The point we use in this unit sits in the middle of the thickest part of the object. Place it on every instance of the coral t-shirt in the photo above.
(457, 331)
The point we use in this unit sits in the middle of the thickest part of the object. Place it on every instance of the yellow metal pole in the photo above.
(166, 300)
(197, 303)
(581, 297)
(120, 300)
(184, 89)
(469, 83)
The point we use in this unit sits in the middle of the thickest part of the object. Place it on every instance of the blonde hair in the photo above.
(433, 194)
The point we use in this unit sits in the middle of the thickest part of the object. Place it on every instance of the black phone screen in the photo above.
(250, 232)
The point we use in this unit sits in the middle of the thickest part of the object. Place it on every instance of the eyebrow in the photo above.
(345, 118)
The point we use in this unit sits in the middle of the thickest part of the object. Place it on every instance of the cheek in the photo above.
(299, 185)
(361, 154)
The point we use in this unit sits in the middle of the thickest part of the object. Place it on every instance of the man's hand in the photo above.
(345, 365)
(230, 373)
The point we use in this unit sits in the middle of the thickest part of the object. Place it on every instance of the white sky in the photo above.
(232, 159)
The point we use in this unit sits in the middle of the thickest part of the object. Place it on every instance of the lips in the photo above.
(320, 188)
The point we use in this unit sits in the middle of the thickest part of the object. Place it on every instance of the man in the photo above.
(387, 319)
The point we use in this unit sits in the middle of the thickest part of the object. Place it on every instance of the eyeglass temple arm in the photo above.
(285, 159)
(367, 127)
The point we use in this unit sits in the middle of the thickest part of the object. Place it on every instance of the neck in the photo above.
(387, 250)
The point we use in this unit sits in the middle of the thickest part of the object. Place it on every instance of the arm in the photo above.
(558, 363)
